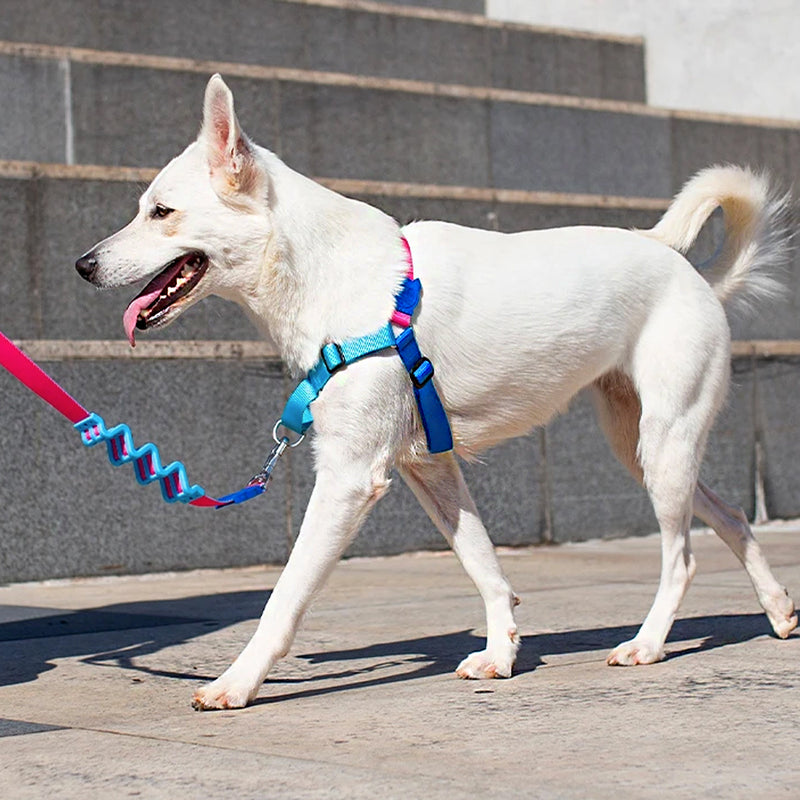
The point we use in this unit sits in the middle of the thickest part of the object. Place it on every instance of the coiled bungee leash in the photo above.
(146, 460)
(296, 417)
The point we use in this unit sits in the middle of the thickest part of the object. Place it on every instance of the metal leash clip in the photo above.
(259, 482)
(264, 476)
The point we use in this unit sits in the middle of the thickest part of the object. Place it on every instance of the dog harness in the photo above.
(297, 415)
(173, 480)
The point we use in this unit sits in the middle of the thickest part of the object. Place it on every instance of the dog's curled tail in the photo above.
(757, 236)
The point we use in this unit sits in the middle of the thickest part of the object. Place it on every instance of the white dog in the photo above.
(515, 325)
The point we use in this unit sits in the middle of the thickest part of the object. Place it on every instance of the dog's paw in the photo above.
(781, 613)
(483, 665)
(222, 694)
(634, 652)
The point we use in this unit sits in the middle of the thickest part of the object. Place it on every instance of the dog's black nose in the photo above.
(86, 266)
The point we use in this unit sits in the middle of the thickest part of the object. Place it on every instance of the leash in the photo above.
(146, 460)
(296, 416)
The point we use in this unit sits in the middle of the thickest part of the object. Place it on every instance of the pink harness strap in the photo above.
(398, 317)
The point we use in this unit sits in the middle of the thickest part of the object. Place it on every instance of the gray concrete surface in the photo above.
(32, 122)
(96, 677)
(466, 6)
(778, 419)
(142, 116)
(46, 223)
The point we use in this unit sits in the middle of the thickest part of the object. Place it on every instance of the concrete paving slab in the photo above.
(94, 692)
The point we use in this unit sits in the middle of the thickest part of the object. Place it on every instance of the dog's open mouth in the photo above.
(152, 305)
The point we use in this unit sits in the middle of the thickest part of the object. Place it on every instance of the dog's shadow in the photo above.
(127, 636)
(119, 635)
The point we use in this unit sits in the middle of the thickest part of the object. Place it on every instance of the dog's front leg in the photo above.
(341, 498)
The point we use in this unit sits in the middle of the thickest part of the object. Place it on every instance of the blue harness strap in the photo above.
(335, 356)
(431, 411)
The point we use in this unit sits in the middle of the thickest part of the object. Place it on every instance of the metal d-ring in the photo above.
(286, 439)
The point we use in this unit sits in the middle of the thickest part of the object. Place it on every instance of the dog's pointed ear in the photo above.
(229, 152)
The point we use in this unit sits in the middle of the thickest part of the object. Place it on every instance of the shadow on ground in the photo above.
(123, 635)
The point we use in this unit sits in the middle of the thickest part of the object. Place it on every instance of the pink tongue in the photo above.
(132, 312)
(148, 295)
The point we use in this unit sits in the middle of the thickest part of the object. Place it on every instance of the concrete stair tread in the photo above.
(365, 129)
(50, 214)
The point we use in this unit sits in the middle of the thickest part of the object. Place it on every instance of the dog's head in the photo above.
(202, 219)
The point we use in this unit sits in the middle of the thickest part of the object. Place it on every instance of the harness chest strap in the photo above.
(297, 414)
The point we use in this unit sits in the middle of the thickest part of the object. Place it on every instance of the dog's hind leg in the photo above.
(439, 486)
(731, 526)
(618, 411)
(617, 406)
(680, 371)
(344, 492)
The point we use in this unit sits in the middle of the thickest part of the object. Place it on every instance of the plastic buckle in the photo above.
(336, 367)
(424, 367)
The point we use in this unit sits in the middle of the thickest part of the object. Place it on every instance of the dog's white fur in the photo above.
(515, 325)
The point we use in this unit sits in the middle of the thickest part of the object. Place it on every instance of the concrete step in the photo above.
(374, 129)
(393, 41)
(49, 215)
(69, 512)
(465, 6)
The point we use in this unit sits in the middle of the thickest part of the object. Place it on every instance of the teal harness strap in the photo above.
(296, 414)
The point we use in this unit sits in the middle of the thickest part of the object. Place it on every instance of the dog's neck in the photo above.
(330, 270)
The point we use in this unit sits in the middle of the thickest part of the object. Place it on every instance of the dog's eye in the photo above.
(160, 211)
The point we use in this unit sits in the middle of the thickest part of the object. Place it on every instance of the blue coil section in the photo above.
(147, 468)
